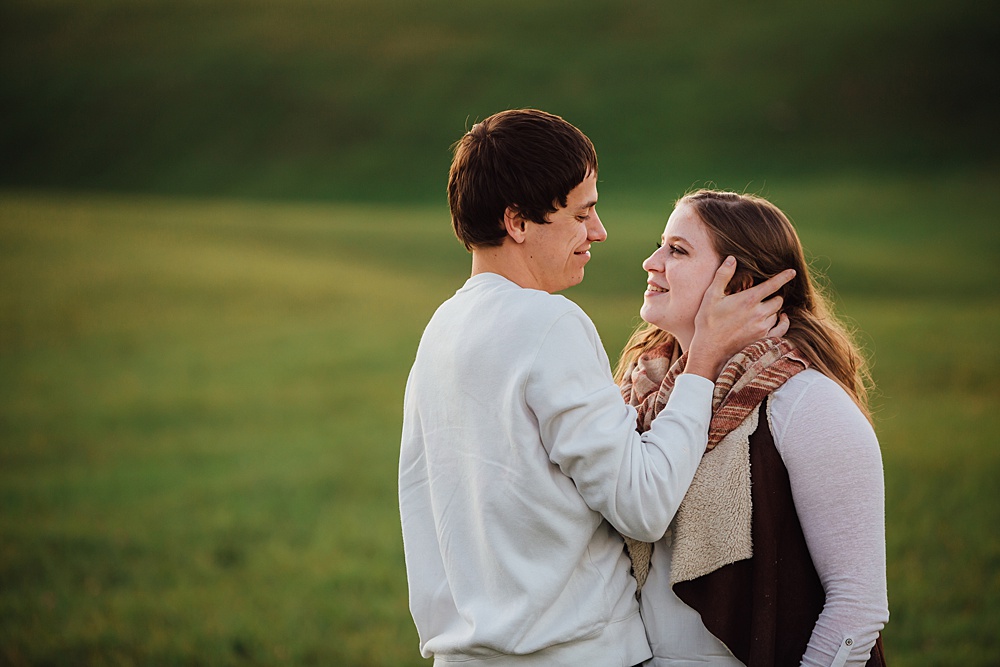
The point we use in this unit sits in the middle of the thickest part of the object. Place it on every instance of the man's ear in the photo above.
(514, 223)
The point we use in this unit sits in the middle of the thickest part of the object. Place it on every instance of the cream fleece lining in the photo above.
(713, 523)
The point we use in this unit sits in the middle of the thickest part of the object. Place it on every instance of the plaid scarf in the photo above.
(746, 380)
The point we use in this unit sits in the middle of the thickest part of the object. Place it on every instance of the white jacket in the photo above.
(516, 447)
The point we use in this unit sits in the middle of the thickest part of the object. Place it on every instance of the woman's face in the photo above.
(679, 271)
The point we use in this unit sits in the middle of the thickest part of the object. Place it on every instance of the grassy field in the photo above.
(359, 99)
(200, 412)
(203, 343)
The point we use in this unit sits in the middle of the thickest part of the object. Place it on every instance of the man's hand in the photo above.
(725, 324)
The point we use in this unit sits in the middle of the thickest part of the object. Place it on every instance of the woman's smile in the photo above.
(683, 267)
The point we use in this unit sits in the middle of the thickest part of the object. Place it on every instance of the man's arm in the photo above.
(726, 323)
(636, 482)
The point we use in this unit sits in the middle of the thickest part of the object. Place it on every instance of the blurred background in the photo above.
(223, 227)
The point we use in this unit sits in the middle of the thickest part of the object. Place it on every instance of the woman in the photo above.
(777, 554)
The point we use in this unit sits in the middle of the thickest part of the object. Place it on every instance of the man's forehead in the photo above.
(584, 195)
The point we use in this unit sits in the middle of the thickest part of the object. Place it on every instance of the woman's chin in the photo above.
(649, 316)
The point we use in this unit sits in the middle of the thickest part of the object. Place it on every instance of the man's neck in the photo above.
(503, 261)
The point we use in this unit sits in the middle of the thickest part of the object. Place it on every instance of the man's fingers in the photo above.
(773, 305)
(779, 329)
(769, 286)
(722, 277)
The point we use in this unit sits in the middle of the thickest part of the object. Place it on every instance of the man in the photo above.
(519, 458)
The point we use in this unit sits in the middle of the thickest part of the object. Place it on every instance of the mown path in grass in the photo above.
(200, 407)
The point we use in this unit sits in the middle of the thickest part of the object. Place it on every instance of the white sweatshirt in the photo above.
(835, 469)
(517, 452)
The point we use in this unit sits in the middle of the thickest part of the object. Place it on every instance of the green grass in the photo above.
(360, 99)
(200, 410)
(199, 415)
(200, 398)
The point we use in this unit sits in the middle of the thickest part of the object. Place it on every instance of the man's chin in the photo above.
(574, 281)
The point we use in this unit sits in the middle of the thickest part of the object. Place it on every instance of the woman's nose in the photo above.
(652, 262)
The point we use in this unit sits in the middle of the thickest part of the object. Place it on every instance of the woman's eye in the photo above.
(677, 250)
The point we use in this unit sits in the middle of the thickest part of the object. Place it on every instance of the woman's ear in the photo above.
(740, 281)
(514, 223)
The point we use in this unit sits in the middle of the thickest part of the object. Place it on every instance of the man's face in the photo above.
(560, 249)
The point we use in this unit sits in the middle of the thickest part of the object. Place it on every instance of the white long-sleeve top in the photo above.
(517, 453)
(835, 469)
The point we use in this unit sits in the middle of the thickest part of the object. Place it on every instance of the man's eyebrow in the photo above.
(590, 204)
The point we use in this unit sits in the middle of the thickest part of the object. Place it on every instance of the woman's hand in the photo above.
(726, 323)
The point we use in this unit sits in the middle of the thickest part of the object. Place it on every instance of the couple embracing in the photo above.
(717, 500)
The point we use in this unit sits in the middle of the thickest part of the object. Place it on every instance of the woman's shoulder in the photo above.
(814, 407)
(812, 389)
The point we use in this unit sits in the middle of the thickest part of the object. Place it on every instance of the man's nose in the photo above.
(597, 231)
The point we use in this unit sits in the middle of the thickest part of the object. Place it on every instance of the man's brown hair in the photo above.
(526, 159)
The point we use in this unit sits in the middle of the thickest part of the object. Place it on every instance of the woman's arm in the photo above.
(835, 468)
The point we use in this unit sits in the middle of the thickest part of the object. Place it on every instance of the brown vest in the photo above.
(764, 609)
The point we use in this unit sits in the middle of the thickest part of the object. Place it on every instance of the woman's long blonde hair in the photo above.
(764, 243)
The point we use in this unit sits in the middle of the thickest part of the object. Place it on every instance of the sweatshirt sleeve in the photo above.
(636, 482)
(835, 468)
